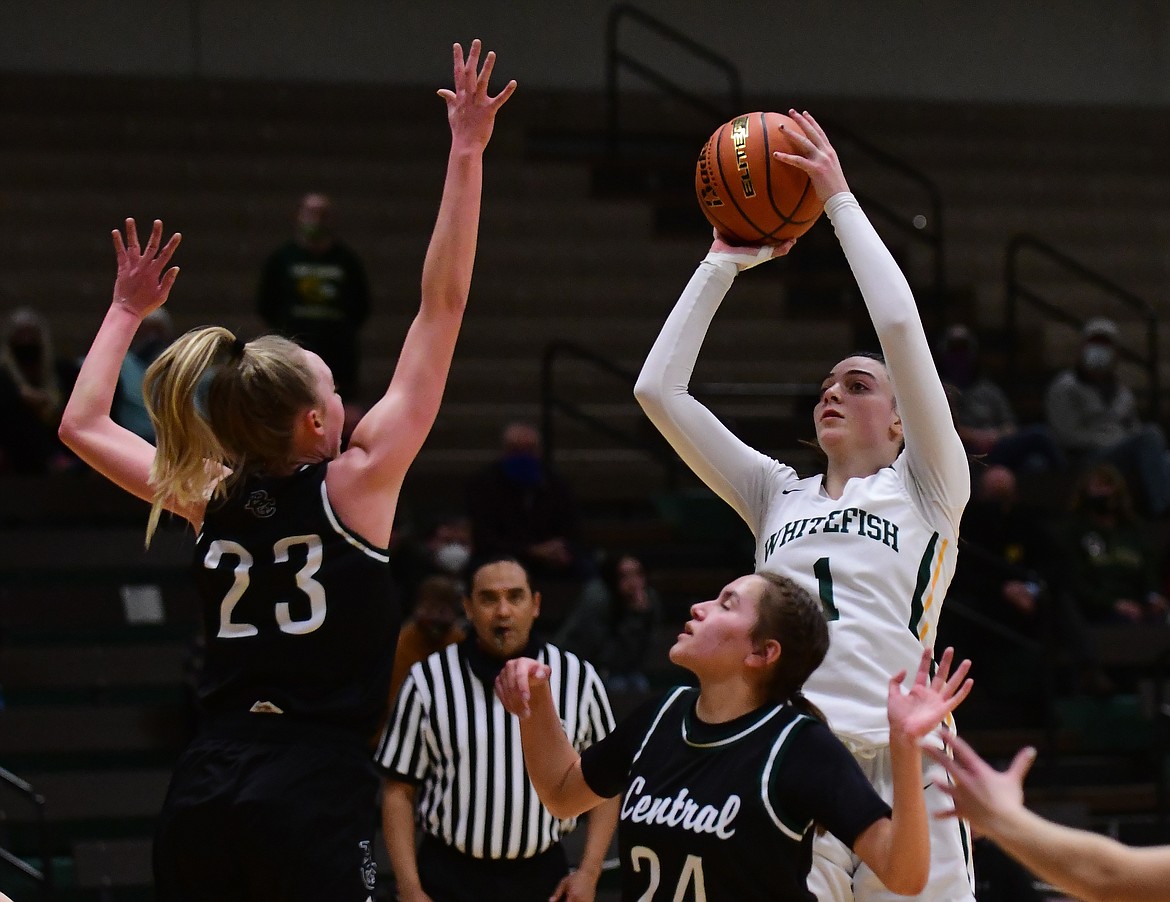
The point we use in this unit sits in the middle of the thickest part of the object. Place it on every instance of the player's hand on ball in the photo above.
(745, 256)
(516, 681)
(815, 156)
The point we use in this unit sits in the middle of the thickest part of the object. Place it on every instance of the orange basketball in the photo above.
(747, 194)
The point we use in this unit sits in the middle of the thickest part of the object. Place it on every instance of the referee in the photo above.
(453, 762)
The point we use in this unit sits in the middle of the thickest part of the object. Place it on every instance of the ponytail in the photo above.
(789, 615)
(221, 408)
(189, 460)
(800, 702)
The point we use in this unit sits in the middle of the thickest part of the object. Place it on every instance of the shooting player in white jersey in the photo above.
(875, 535)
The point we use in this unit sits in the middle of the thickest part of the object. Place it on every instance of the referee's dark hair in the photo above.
(478, 563)
(788, 614)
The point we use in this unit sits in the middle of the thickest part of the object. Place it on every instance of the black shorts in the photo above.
(447, 875)
(272, 811)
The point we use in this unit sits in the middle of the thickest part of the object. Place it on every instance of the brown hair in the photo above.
(219, 405)
(788, 614)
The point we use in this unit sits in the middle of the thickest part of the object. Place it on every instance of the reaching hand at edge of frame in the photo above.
(915, 713)
(815, 156)
(981, 793)
(471, 112)
(514, 684)
(141, 284)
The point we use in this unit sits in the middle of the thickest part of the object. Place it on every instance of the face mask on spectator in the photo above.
(452, 557)
(1098, 357)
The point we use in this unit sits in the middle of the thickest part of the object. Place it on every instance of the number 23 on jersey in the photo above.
(234, 629)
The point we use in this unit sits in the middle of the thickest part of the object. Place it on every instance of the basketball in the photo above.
(747, 194)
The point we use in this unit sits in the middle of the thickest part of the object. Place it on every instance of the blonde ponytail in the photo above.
(189, 460)
(222, 409)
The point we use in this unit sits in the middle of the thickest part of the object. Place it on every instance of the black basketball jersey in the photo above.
(726, 811)
(299, 613)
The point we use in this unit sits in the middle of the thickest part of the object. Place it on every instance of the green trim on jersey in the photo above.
(794, 828)
(923, 582)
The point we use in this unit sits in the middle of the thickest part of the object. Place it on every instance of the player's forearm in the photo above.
(549, 757)
(97, 382)
(935, 451)
(1086, 865)
(884, 288)
(599, 832)
(446, 279)
(908, 864)
(709, 448)
(672, 357)
(398, 831)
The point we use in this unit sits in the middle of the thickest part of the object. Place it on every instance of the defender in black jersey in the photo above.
(275, 797)
(724, 787)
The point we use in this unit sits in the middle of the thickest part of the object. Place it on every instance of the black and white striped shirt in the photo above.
(449, 733)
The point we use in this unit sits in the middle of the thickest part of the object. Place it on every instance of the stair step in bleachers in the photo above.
(107, 863)
(78, 735)
(94, 671)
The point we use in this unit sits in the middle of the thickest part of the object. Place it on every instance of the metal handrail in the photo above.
(1015, 291)
(616, 60)
(552, 402)
(44, 876)
(931, 233)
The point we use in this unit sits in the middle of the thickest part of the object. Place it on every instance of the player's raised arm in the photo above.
(142, 284)
(387, 439)
(898, 850)
(933, 448)
(1088, 866)
(553, 764)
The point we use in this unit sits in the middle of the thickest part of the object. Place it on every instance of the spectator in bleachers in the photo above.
(520, 508)
(314, 289)
(444, 549)
(433, 626)
(1111, 569)
(613, 622)
(152, 338)
(34, 383)
(1094, 417)
(1006, 578)
(983, 414)
(1007, 554)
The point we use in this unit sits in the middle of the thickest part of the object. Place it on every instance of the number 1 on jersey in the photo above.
(825, 584)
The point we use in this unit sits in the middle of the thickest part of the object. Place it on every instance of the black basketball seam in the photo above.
(708, 210)
(738, 209)
(787, 218)
(797, 222)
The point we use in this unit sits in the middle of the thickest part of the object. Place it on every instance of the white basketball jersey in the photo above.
(881, 557)
(880, 568)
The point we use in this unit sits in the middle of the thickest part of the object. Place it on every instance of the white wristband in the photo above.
(744, 259)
